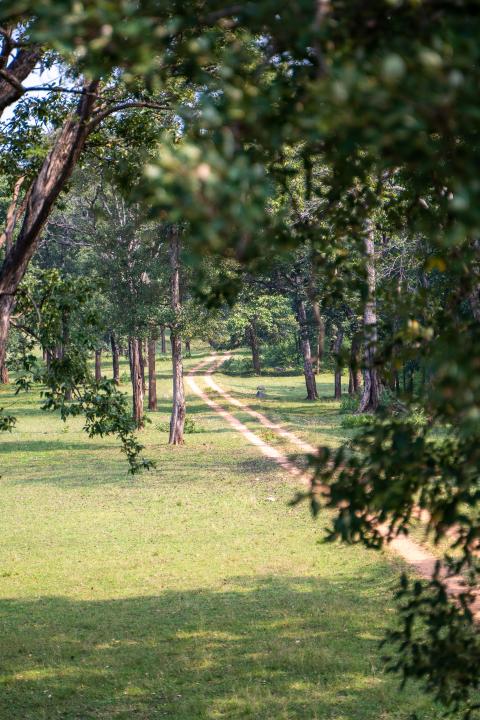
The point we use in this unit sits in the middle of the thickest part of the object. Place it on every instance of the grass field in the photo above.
(190, 592)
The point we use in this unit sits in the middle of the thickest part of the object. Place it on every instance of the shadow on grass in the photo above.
(262, 648)
(53, 446)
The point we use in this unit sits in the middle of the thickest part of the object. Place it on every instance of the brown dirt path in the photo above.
(414, 554)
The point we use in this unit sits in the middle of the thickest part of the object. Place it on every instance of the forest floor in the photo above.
(193, 591)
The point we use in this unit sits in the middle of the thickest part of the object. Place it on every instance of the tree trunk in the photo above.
(142, 364)
(371, 391)
(52, 177)
(115, 358)
(64, 348)
(337, 346)
(252, 339)
(320, 323)
(355, 374)
(6, 307)
(177, 420)
(18, 69)
(308, 371)
(13, 212)
(188, 350)
(152, 376)
(163, 344)
(136, 378)
(4, 379)
(98, 365)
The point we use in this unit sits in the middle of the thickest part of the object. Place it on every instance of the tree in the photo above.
(371, 391)
(177, 420)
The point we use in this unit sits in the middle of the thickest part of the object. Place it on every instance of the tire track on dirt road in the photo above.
(414, 554)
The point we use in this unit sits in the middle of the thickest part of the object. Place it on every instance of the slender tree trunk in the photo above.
(98, 365)
(136, 378)
(115, 358)
(188, 350)
(355, 374)
(163, 344)
(13, 212)
(4, 379)
(177, 420)
(142, 364)
(337, 346)
(252, 339)
(320, 323)
(64, 348)
(371, 391)
(50, 356)
(7, 303)
(308, 371)
(152, 376)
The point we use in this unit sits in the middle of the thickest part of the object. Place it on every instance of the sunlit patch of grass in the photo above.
(184, 593)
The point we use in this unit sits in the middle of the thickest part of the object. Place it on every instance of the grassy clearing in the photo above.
(192, 592)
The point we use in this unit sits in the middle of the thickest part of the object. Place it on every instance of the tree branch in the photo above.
(127, 105)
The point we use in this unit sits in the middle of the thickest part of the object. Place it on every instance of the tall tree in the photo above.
(177, 420)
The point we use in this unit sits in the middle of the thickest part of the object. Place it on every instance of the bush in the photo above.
(418, 417)
(281, 354)
(355, 421)
(349, 404)
(189, 427)
(238, 366)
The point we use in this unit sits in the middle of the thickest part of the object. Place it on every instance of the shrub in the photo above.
(238, 366)
(281, 354)
(189, 427)
(349, 404)
(355, 421)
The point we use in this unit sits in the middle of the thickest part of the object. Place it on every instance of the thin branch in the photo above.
(127, 105)
(58, 88)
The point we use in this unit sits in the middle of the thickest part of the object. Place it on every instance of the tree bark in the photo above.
(17, 71)
(152, 376)
(320, 323)
(65, 346)
(252, 339)
(163, 344)
(7, 303)
(136, 378)
(337, 346)
(13, 212)
(142, 364)
(4, 379)
(355, 373)
(115, 358)
(98, 365)
(52, 177)
(372, 388)
(308, 371)
(177, 420)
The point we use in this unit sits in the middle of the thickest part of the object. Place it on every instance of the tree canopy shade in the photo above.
(345, 127)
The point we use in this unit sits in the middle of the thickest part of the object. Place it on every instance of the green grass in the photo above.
(190, 592)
